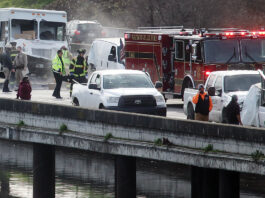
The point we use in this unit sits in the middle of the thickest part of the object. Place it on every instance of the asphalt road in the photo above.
(174, 106)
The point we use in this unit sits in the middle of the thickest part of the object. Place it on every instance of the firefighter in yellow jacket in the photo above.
(58, 72)
(78, 69)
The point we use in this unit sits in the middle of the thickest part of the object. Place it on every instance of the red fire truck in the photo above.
(182, 58)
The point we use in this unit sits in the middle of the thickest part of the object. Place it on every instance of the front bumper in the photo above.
(161, 111)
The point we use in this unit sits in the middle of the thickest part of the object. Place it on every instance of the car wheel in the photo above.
(224, 116)
(101, 106)
(75, 102)
(190, 112)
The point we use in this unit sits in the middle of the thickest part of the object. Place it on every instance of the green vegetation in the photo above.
(24, 3)
(257, 155)
(208, 148)
(158, 142)
(63, 128)
(20, 123)
(107, 137)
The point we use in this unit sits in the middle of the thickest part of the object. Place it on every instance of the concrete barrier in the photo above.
(134, 135)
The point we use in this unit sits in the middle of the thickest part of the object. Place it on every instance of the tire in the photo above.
(190, 112)
(224, 116)
(101, 106)
(75, 102)
(186, 84)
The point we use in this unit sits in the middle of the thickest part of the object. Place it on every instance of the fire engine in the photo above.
(182, 58)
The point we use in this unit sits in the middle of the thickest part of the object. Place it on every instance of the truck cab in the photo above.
(226, 84)
(120, 90)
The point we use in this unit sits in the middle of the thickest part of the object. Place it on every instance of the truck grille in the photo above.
(44, 53)
(137, 101)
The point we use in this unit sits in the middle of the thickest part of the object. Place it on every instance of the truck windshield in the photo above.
(253, 50)
(126, 81)
(24, 29)
(52, 31)
(240, 82)
(221, 51)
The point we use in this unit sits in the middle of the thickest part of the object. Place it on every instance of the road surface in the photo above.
(46, 96)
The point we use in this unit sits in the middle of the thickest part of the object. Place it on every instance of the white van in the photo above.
(105, 54)
(40, 33)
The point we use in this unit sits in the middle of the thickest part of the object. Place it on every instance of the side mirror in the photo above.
(219, 92)
(93, 86)
(211, 91)
(158, 85)
(112, 58)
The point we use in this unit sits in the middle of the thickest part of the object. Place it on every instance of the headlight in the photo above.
(113, 99)
(159, 99)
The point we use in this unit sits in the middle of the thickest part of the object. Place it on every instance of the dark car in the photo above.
(87, 32)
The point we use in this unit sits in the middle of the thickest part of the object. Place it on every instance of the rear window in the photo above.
(88, 27)
(240, 82)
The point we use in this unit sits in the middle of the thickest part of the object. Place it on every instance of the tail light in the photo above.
(103, 34)
(126, 36)
(77, 32)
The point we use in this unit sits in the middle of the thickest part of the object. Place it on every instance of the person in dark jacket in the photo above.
(6, 61)
(233, 111)
(78, 69)
(24, 90)
(203, 104)
(58, 72)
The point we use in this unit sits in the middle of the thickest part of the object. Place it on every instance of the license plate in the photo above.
(39, 65)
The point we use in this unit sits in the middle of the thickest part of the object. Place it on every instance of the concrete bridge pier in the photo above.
(229, 184)
(43, 171)
(125, 177)
(5, 187)
(209, 183)
(204, 182)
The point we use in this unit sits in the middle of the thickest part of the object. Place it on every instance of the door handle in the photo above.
(91, 93)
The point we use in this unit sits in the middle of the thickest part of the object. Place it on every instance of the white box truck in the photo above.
(40, 33)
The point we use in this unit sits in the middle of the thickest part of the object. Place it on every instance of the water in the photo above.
(90, 175)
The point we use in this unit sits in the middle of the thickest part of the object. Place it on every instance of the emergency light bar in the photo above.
(228, 34)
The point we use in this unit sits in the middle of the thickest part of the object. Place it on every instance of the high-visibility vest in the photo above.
(78, 70)
(13, 55)
(57, 65)
(66, 59)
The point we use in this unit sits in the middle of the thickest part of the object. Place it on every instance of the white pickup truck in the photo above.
(226, 84)
(121, 90)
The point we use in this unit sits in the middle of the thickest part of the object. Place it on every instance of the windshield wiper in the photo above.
(249, 56)
(234, 55)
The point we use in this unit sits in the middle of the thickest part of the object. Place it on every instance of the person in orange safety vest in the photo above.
(203, 104)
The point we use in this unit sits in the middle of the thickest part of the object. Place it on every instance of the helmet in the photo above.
(81, 51)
